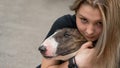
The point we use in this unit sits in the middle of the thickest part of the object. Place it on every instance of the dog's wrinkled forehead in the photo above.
(66, 34)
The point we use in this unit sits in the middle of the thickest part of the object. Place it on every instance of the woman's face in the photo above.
(89, 22)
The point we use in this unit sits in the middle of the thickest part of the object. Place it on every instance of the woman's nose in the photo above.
(90, 30)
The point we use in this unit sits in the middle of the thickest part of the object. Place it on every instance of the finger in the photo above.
(87, 45)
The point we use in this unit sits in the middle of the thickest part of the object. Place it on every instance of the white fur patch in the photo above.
(51, 45)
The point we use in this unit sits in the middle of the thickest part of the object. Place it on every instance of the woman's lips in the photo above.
(90, 37)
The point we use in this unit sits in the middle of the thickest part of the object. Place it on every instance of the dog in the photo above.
(63, 44)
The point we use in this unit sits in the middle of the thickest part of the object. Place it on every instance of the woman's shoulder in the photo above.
(66, 20)
(67, 17)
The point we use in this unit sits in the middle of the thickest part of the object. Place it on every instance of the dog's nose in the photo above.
(42, 49)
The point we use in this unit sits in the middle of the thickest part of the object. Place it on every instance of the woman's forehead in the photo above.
(89, 12)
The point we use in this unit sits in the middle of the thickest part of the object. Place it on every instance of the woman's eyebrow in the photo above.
(80, 15)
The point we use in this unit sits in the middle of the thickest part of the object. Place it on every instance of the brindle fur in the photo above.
(70, 40)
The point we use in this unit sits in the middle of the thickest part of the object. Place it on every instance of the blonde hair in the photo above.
(108, 45)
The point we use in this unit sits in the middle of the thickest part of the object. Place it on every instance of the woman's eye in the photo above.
(83, 20)
(99, 24)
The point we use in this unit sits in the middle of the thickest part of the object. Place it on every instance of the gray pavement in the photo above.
(23, 26)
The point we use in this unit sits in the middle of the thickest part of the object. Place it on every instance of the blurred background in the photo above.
(23, 26)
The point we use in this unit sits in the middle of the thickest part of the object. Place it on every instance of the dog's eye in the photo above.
(66, 35)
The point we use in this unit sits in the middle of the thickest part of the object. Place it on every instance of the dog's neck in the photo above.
(66, 57)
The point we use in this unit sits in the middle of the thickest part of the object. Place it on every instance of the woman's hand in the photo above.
(85, 58)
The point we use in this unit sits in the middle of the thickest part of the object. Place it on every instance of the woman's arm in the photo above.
(46, 63)
(86, 56)
(49, 63)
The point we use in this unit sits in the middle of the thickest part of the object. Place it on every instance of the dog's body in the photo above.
(63, 44)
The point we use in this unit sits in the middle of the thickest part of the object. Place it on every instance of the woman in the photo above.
(97, 20)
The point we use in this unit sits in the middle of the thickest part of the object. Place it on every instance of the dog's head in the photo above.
(63, 42)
